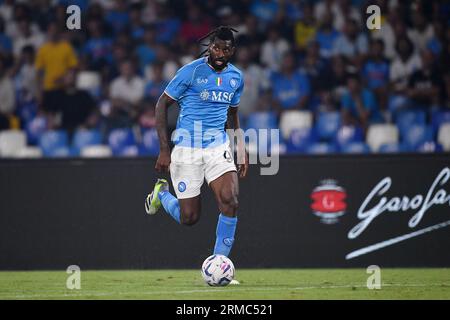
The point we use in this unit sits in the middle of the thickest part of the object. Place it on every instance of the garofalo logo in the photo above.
(418, 204)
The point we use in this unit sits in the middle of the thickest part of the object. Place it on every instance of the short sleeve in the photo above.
(237, 95)
(178, 85)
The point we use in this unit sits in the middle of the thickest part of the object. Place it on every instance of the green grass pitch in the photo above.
(255, 284)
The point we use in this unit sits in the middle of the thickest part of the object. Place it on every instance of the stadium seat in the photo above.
(443, 136)
(406, 118)
(150, 143)
(429, 147)
(11, 141)
(294, 119)
(348, 134)
(379, 134)
(328, 124)
(89, 81)
(355, 147)
(52, 143)
(300, 139)
(60, 152)
(438, 118)
(35, 128)
(29, 152)
(83, 138)
(415, 135)
(96, 151)
(321, 148)
(262, 120)
(119, 139)
(393, 147)
(128, 151)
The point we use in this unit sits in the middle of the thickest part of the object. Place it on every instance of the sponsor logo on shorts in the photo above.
(182, 186)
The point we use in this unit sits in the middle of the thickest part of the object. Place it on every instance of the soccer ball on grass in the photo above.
(218, 270)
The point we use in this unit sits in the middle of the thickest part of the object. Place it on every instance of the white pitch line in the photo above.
(218, 290)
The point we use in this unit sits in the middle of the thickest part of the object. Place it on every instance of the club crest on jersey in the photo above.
(204, 95)
(233, 83)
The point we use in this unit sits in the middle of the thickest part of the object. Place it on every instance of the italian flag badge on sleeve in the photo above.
(219, 81)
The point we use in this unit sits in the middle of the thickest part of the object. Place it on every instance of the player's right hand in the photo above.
(163, 162)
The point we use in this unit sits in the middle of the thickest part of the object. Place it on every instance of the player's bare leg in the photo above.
(190, 210)
(226, 190)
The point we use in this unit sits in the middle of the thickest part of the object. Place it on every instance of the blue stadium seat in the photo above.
(415, 135)
(438, 118)
(406, 118)
(119, 139)
(150, 143)
(262, 120)
(51, 141)
(128, 151)
(429, 147)
(60, 152)
(83, 138)
(391, 148)
(328, 124)
(321, 148)
(348, 134)
(300, 139)
(35, 128)
(355, 147)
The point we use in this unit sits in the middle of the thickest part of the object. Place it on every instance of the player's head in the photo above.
(221, 47)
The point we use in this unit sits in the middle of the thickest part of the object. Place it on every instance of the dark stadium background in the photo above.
(306, 65)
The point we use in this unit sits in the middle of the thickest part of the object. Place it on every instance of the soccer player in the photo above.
(208, 91)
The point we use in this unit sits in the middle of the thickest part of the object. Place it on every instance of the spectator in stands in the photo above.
(97, 49)
(326, 35)
(136, 24)
(290, 87)
(118, 18)
(426, 85)
(126, 93)
(27, 36)
(7, 97)
(54, 59)
(422, 31)
(146, 52)
(25, 76)
(305, 29)
(255, 81)
(359, 106)
(155, 87)
(196, 26)
(273, 49)
(375, 72)
(265, 10)
(6, 44)
(351, 43)
(403, 66)
(76, 108)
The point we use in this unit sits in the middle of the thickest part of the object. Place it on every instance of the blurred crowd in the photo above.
(295, 54)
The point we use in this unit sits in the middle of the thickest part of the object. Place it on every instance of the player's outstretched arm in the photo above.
(242, 157)
(163, 162)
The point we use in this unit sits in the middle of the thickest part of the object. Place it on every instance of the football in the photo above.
(217, 270)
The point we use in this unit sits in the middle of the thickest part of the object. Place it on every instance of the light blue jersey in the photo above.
(204, 96)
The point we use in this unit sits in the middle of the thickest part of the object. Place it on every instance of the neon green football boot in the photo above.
(152, 202)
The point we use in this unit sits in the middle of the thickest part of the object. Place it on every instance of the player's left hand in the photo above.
(243, 168)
